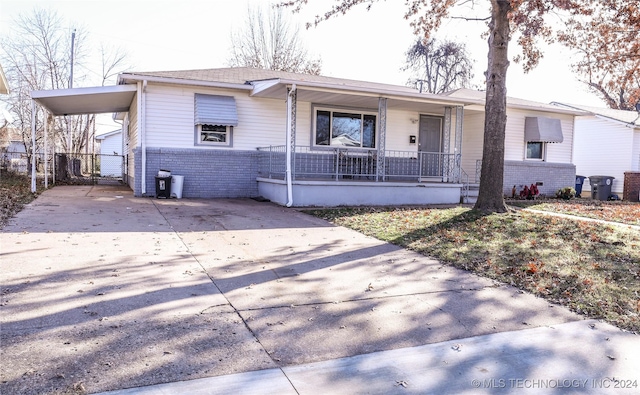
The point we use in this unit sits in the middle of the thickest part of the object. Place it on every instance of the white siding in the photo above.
(472, 142)
(132, 139)
(170, 118)
(603, 148)
(514, 135)
(111, 145)
(399, 128)
(262, 122)
(562, 152)
(303, 124)
(473, 139)
(515, 144)
(635, 159)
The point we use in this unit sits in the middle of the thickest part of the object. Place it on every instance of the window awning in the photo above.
(541, 129)
(215, 110)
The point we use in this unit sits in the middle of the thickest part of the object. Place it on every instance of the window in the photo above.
(538, 132)
(535, 150)
(344, 128)
(215, 134)
(215, 116)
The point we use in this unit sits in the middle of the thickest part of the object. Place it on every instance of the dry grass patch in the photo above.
(616, 211)
(593, 269)
(15, 192)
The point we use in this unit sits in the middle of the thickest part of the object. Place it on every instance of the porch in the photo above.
(337, 176)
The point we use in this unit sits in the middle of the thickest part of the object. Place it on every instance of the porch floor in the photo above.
(359, 192)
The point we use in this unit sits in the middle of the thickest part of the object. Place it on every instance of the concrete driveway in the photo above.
(102, 291)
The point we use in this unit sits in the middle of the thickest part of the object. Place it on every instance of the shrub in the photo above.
(566, 193)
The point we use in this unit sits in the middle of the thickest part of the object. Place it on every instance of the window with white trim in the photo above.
(535, 150)
(215, 134)
(215, 116)
(344, 128)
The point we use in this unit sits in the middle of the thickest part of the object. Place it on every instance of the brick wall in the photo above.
(631, 186)
(207, 173)
(553, 176)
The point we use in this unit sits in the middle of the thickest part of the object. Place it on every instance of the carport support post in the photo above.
(46, 161)
(33, 145)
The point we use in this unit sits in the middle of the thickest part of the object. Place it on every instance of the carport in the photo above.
(76, 101)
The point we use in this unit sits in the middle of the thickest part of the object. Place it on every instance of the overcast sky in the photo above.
(365, 45)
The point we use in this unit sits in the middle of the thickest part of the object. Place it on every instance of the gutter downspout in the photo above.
(288, 147)
(142, 125)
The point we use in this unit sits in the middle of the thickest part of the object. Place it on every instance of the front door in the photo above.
(430, 146)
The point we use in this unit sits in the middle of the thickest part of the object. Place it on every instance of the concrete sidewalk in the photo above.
(102, 291)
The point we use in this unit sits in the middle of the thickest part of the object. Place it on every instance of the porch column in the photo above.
(382, 137)
(290, 148)
(293, 94)
(446, 132)
(458, 147)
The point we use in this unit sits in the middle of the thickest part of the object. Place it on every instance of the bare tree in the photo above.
(113, 62)
(37, 56)
(440, 67)
(270, 42)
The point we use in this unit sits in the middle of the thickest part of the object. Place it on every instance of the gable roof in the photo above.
(249, 76)
(630, 118)
(512, 102)
(108, 134)
(310, 88)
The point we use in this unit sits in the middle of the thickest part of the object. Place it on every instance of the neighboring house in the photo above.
(607, 143)
(308, 140)
(13, 153)
(110, 153)
(538, 143)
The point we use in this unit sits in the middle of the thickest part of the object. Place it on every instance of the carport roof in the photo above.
(94, 100)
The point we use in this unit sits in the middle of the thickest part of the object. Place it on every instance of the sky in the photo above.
(161, 35)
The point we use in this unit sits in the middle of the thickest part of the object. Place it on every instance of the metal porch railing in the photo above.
(359, 164)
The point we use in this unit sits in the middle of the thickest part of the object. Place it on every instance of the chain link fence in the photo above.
(68, 168)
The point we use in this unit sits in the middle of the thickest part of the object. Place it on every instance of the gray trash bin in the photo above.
(600, 187)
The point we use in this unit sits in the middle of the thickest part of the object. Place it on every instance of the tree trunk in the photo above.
(490, 195)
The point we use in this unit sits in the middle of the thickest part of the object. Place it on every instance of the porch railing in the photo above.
(358, 164)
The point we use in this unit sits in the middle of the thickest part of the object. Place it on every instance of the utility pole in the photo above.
(73, 40)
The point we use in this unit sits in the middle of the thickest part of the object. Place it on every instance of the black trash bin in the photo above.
(163, 187)
(600, 187)
(579, 183)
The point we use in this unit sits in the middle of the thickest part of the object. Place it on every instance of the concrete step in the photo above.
(472, 194)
